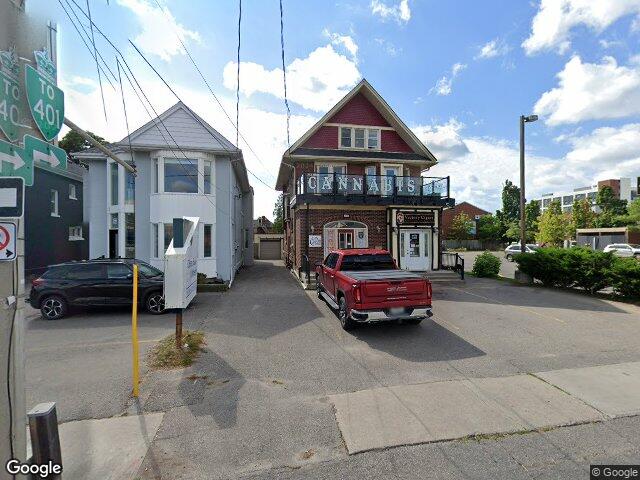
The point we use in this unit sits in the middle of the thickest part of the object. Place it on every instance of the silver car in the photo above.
(514, 249)
(624, 249)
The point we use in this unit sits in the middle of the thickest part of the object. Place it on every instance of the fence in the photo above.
(474, 244)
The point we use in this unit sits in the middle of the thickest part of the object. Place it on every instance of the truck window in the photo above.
(377, 261)
(332, 260)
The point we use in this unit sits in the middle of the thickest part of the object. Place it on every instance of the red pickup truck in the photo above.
(365, 286)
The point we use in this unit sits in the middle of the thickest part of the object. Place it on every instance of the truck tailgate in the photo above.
(391, 285)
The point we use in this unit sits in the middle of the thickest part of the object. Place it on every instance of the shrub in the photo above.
(589, 269)
(549, 265)
(625, 277)
(486, 265)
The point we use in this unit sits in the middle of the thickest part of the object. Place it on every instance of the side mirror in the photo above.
(130, 276)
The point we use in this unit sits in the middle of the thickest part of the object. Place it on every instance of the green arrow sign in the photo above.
(9, 106)
(15, 163)
(46, 102)
(44, 154)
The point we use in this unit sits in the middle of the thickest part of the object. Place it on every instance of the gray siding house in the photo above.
(184, 168)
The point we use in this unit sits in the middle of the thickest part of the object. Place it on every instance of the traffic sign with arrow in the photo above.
(47, 155)
(7, 241)
(14, 162)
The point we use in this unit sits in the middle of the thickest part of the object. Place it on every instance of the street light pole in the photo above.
(523, 232)
(523, 238)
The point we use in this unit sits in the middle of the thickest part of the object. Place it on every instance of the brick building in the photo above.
(354, 180)
(473, 212)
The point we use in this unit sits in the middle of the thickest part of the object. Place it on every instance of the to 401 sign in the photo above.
(46, 102)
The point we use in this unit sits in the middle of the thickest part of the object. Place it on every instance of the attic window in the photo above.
(360, 138)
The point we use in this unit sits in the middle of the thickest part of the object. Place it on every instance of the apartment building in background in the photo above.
(623, 188)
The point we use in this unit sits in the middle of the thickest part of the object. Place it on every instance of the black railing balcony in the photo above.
(372, 185)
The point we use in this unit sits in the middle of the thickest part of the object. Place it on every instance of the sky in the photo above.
(458, 73)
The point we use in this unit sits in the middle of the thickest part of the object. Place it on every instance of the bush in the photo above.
(486, 265)
(625, 277)
(549, 265)
(590, 269)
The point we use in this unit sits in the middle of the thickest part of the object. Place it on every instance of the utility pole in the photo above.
(523, 225)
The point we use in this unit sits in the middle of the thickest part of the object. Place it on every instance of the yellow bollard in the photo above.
(134, 333)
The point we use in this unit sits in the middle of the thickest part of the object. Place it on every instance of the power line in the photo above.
(124, 107)
(238, 132)
(284, 75)
(93, 41)
(238, 74)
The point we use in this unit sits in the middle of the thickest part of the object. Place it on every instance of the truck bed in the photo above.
(381, 275)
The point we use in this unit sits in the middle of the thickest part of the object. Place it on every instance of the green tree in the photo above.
(460, 227)
(510, 202)
(278, 222)
(489, 228)
(512, 232)
(73, 142)
(553, 226)
(633, 210)
(532, 214)
(608, 202)
(582, 215)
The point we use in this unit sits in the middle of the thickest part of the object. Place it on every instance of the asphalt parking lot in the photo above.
(263, 399)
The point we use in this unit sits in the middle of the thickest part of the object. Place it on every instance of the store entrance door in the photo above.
(415, 249)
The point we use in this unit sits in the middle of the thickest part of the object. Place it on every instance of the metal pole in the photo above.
(45, 441)
(98, 145)
(523, 238)
(134, 335)
(179, 329)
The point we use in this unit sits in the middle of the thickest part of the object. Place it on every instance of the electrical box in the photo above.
(181, 264)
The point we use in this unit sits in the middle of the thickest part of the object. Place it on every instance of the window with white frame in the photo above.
(207, 171)
(360, 138)
(75, 233)
(156, 174)
(208, 229)
(72, 192)
(54, 203)
(180, 176)
(155, 238)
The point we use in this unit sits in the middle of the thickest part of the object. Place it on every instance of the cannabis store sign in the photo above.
(46, 100)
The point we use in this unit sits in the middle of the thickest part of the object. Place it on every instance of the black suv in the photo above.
(96, 282)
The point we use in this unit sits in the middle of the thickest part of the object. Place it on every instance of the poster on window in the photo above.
(361, 238)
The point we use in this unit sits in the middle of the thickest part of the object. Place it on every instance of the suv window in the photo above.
(56, 272)
(332, 260)
(86, 272)
(148, 271)
(117, 270)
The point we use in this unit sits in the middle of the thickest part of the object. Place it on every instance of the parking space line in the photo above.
(506, 304)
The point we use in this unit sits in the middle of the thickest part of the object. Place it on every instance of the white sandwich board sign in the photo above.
(181, 264)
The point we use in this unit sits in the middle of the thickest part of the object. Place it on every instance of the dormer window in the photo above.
(360, 138)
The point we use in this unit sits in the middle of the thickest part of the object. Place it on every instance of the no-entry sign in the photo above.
(7, 241)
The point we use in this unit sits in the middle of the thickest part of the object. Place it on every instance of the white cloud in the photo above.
(609, 148)
(552, 25)
(316, 82)
(444, 85)
(607, 44)
(388, 47)
(493, 48)
(345, 41)
(265, 131)
(591, 91)
(159, 30)
(401, 12)
(444, 141)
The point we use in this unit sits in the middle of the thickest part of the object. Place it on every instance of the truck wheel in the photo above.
(318, 287)
(343, 314)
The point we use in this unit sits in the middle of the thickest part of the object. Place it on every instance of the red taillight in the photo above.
(37, 281)
(357, 295)
(428, 288)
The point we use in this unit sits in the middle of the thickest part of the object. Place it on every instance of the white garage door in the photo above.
(270, 249)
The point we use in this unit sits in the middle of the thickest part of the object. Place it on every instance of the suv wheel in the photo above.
(343, 314)
(53, 307)
(155, 303)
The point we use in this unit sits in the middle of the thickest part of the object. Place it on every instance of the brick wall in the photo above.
(375, 220)
(359, 111)
(449, 214)
(614, 184)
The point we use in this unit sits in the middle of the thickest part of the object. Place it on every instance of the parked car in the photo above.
(365, 286)
(624, 249)
(94, 283)
(514, 249)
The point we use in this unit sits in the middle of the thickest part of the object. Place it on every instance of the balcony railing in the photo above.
(372, 185)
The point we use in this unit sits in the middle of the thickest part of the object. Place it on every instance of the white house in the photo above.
(184, 168)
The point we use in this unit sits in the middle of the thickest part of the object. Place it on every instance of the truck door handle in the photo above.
(333, 276)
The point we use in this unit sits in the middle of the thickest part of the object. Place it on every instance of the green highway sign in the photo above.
(15, 163)
(9, 106)
(46, 102)
(48, 156)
